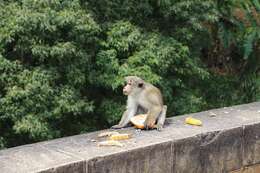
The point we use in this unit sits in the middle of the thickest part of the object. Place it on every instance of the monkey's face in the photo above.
(128, 88)
(133, 85)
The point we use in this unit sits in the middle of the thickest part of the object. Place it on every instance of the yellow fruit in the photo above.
(193, 121)
(138, 120)
(119, 136)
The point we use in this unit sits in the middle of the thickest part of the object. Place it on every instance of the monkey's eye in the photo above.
(140, 85)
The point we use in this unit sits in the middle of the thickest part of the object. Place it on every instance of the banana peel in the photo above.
(114, 136)
(193, 121)
(110, 143)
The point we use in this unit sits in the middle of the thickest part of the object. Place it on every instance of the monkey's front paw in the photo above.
(159, 127)
(117, 126)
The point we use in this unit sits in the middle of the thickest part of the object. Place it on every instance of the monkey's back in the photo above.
(152, 95)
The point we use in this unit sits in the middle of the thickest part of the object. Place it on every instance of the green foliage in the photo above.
(111, 110)
(240, 26)
(62, 63)
(46, 49)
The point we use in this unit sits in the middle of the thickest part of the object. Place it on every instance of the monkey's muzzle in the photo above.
(125, 93)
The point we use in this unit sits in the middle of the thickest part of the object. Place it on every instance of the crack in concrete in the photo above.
(208, 138)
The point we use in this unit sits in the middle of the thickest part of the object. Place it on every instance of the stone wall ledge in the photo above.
(228, 141)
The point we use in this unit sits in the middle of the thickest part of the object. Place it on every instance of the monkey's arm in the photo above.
(128, 114)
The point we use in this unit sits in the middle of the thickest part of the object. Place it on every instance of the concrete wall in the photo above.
(228, 141)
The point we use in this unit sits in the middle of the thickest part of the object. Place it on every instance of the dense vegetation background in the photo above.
(62, 62)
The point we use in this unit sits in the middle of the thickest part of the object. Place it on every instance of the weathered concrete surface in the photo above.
(229, 140)
(35, 158)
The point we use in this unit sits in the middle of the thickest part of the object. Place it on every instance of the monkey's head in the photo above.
(133, 85)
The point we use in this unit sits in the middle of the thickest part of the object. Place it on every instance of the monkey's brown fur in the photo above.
(144, 96)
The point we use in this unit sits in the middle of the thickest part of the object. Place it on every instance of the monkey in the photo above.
(143, 97)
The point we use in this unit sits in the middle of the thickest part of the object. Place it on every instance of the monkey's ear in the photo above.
(140, 84)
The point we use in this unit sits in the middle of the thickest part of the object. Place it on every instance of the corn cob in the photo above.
(120, 136)
(110, 143)
(110, 133)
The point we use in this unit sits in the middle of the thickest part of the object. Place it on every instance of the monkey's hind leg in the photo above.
(161, 118)
(152, 116)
